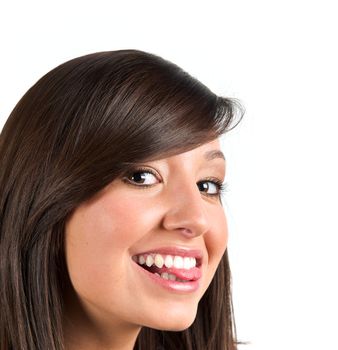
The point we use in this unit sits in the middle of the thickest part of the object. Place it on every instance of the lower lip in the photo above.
(173, 286)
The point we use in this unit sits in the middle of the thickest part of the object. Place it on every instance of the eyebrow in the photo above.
(210, 155)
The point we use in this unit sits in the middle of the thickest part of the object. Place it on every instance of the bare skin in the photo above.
(108, 300)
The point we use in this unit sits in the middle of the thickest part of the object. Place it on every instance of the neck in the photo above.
(80, 337)
(87, 328)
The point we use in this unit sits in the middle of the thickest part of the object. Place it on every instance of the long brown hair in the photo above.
(77, 129)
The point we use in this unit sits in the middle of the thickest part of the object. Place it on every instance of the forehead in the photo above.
(206, 155)
(214, 144)
(203, 151)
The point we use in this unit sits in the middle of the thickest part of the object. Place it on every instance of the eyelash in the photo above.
(221, 187)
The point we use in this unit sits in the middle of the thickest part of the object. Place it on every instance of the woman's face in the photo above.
(179, 215)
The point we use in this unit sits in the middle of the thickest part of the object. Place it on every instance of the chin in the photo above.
(177, 321)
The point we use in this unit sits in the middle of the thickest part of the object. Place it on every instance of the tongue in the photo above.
(192, 274)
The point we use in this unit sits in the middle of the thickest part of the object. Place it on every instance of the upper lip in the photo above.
(181, 251)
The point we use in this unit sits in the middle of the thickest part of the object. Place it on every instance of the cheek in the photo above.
(98, 236)
(105, 226)
(217, 239)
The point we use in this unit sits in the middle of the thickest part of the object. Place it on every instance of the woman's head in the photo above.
(69, 216)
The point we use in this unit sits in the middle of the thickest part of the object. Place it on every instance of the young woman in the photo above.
(113, 234)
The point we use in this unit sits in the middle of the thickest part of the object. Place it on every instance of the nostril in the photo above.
(187, 232)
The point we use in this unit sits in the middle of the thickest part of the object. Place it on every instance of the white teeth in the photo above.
(159, 261)
(186, 263)
(178, 262)
(169, 276)
(149, 260)
(172, 277)
(192, 262)
(165, 275)
(168, 261)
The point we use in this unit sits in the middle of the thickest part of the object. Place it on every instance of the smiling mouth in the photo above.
(171, 267)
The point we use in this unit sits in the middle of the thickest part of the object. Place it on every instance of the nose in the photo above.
(186, 212)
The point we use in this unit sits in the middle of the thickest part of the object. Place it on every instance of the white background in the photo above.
(280, 59)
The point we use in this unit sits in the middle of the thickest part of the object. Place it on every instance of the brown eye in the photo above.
(209, 187)
(212, 187)
(142, 177)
